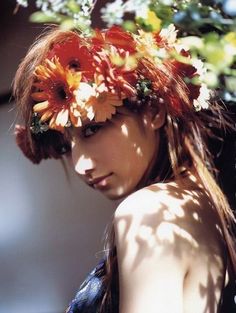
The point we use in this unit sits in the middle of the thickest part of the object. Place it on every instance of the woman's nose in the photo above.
(82, 162)
(83, 165)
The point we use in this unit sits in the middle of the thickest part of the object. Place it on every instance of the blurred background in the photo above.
(50, 230)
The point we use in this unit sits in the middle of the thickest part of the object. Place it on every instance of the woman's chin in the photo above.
(116, 194)
(111, 195)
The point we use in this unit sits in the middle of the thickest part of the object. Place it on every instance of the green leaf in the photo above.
(130, 26)
(143, 24)
(67, 24)
(40, 17)
(211, 79)
(163, 12)
(73, 6)
(217, 55)
(230, 83)
(193, 42)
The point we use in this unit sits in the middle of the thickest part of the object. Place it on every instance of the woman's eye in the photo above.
(91, 130)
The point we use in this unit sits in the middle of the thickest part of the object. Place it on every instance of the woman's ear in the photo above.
(157, 115)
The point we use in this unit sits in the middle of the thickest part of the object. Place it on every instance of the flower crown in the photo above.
(87, 78)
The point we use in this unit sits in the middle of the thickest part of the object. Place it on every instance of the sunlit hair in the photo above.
(186, 136)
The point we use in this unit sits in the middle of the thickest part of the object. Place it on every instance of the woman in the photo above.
(123, 109)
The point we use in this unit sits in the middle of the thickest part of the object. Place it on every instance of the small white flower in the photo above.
(57, 5)
(191, 42)
(199, 66)
(84, 22)
(84, 92)
(23, 3)
(162, 53)
(113, 13)
(43, 5)
(146, 46)
(138, 7)
(166, 2)
(169, 34)
(202, 102)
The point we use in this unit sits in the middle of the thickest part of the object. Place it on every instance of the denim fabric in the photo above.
(89, 297)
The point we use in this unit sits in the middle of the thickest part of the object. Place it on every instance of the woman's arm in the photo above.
(152, 254)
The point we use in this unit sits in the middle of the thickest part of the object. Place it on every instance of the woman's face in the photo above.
(113, 156)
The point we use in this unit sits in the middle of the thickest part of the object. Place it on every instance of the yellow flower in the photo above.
(153, 20)
(230, 46)
(231, 38)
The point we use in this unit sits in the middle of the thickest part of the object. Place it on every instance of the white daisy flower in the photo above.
(23, 3)
(202, 102)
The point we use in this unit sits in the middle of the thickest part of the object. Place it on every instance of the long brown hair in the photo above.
(186, 136)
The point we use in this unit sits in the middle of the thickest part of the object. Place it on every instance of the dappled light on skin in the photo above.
(208, 289)
(167, 232)
(145, 121)
(120, 191)
(195, 216)
(170, 215)
(185, 229)
(139, 151)
(124, 130)
(145, 233)
(83, 165)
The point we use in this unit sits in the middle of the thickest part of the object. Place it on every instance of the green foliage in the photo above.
(41, 17)
(208, 29)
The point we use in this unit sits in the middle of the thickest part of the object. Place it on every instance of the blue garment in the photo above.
(89, 297)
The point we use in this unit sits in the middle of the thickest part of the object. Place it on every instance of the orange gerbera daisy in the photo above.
(55, 91)
(118, 79)
(103, 105)
(74, 54)
(116, 37)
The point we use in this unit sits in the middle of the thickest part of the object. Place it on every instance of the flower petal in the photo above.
(46, 116)
(75, 119)
(41, 106)
(62, 117)
(39, 96)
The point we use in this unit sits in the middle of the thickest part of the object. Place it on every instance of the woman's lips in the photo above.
(100, 182)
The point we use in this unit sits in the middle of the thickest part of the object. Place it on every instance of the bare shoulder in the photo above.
(140, 201)
(154, 220)
(170, 202)
(170, 218)
(167, 237)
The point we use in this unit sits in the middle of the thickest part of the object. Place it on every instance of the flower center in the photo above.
(61, 92)
(102, 97)
(74, 65)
